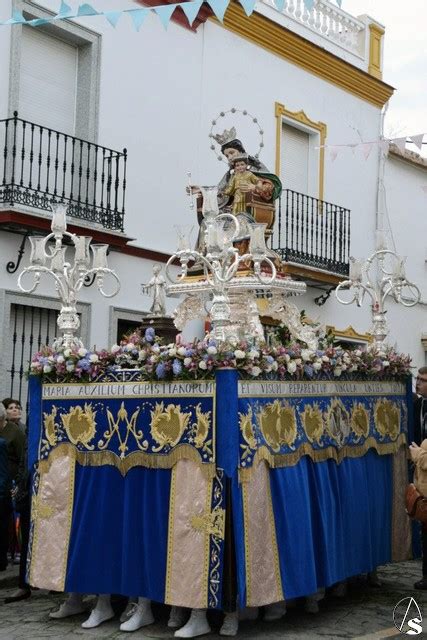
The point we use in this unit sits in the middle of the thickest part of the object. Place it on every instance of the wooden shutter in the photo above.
(295, 159)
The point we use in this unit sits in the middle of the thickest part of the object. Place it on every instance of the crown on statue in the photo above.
(227, 136)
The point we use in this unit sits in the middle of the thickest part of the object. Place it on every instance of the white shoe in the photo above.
(71, 607)
(196, 626)
(129, 611)
(230, 626)
(275, 611)
(141, 617)
(177, 617)
(99, 615)
(248, 613)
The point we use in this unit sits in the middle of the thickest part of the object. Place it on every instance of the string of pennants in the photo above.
(164, 12)
(366, 147)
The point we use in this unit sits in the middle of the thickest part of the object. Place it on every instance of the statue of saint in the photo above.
(156, 287)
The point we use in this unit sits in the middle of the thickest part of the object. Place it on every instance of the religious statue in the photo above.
(156, 287)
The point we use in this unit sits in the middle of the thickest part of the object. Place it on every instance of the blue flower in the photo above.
(84, 364)
(189, 353)
(176, 367)
(161, 370)
(150, 334)
(270, 359)
(308, 370)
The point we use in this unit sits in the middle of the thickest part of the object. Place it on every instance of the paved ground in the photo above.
(365, 612)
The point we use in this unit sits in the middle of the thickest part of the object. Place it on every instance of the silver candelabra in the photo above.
(68, 278)
(381, 276)
(221, 261)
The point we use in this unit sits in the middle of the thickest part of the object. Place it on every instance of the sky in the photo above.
(405, 60)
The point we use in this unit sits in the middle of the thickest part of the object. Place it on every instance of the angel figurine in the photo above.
(156, 287)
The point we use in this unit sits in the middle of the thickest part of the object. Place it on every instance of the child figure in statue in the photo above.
(243, 181)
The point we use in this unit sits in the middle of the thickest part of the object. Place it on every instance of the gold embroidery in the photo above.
(134, 459)
(278, 424)
(212, 523)
(247, 428)
(40, 510)
(277, 461)
(80, 425)
(167, 426)
(50, 426)
(387, 418)
(114, 428)
(337, 421)
(201, 427)
(171, 527)
(312, 422)
(360, 420)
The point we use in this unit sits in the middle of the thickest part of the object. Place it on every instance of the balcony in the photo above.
(40, 164)
(313, 237)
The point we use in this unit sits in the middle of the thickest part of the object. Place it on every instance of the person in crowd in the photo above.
(14, 412)
(420, 434)
(5, 499)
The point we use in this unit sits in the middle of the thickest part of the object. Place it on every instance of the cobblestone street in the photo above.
(365, 612)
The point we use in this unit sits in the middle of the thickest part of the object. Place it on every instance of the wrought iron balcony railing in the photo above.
(40, 164)
(312, 233)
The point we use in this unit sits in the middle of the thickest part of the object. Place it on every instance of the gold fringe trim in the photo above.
(276, 461)
(134, 459)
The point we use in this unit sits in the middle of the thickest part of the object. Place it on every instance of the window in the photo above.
(295, 159)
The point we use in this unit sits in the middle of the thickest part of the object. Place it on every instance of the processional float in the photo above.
(225, 472)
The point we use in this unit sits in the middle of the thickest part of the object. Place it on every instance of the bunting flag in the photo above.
(163, 11)
(366, 147)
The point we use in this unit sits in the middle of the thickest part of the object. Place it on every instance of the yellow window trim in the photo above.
(288, 45)
(350, 333)
(300, 116)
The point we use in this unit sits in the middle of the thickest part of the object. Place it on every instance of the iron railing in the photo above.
(41, 164)
(312, 232)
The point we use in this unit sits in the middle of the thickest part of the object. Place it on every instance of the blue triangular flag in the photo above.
(309, 4)
(37, 22)
(113, 17)
(138, 17)
(219, 8)
(17, 18)
(86, 10)
(339, 3)
(248, 6)
(191, 9)
(165, 12)
(279, 4)
(65, 11)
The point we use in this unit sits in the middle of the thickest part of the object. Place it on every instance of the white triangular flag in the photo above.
(418, 140)
(400, 143)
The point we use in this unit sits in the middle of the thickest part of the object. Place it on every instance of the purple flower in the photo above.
(84, 364)
(176, 367)
(308, 370)
(150, 334)
(161, 370)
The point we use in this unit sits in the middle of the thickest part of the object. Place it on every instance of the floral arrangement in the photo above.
(201, 358)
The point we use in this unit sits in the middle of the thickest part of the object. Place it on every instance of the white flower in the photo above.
(287, 357)
(35, 365)
(47, 368)
(275, 366)
(325, 358)
(353, 368)
(93, 357)
(115, 348)
(291, 367)
(358, 353)
(70, 367)
(130, 346)
(239, 354)
(298, 361)
(60, 359)
(82, 352)
(255, 371)
(155, 348)
(181, 351)
(142, 355)
(317, 365)
(203, 365)
(233, 342)
(172, 352)
(306, 354)
(212, 350)
(253, 353)
(337, 372)
(67, 353)
(344, 367)
(386, 363)
(187, 362)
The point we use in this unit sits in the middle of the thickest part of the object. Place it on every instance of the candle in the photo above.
(257, 245)
(399, 268)
(81, 244)
(59, 217)
(210, 200)
(38, 255)
(355, 270)
(380, 240)
(100, 256)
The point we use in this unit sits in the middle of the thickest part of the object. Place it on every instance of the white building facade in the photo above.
(83, 92)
